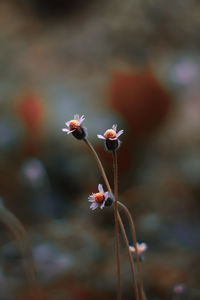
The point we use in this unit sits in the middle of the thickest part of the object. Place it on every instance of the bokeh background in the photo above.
(134, 63)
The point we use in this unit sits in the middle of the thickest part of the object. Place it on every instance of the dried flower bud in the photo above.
(141, 248)
(100, 199)
(74, 127)
(112, 142)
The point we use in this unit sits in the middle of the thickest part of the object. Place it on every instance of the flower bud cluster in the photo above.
(110, 137)
(112, 143)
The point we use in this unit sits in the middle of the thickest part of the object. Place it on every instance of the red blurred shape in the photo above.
(141, 99)
(31, 110)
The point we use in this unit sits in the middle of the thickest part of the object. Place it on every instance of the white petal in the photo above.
(70, 131)
(100, 188)
(76, 117)
(132, 249)
(66, 130)
(100, 136)
(91, 198)
(82, 118)
(102, 205)
(67, 123)
(107, 195)
(93, 205)
(143, 246)
(112, 139)
(114, 127)
(119, 133)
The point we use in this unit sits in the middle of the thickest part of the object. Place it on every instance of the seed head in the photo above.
(73, 124)
(110, 137)
(100, 199)
(141, 248)
(110, 133)
(75, 127)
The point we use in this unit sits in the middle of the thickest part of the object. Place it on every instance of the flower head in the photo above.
(141, 248)
(75, 127)
(100, 199)
(111, 138)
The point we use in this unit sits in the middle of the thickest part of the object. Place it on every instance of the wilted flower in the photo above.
(74, 127)
(111, 138)
(141, 248)
(100, 199)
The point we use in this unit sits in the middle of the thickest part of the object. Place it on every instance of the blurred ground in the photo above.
(136, 64)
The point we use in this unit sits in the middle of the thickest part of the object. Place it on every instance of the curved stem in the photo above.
(115, 214)
(121, 223)
(17, 229)
(133, 232)
(116, 219)
(129, 256)
(99, 164)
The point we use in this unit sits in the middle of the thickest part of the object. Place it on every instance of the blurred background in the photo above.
(134, 63)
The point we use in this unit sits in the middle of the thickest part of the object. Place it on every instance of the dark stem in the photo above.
(129, 256)
(99, 164)
(109, 189)
(116, 220)
(115, 214)
(133, 232)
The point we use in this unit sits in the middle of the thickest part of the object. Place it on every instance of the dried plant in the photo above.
(102, 199)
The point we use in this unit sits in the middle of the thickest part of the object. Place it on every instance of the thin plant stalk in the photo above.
(109, 189)
(18, 231)
(133, 232)
(115, 164)
(99, 164)
(116, 215)
(129, 256)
